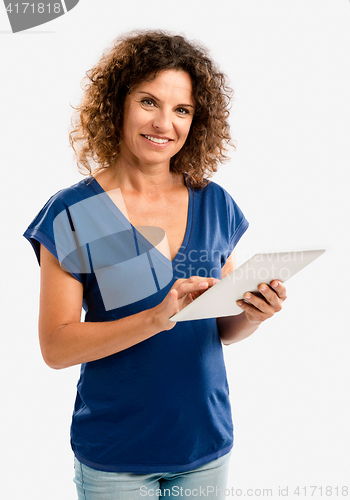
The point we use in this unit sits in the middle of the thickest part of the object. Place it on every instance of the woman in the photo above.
(135, 242)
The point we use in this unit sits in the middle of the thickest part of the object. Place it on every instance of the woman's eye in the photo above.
(147, 102)
(183, 111)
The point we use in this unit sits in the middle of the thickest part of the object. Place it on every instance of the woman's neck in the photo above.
(147, 180)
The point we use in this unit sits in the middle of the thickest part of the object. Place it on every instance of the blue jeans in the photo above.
(208, 481)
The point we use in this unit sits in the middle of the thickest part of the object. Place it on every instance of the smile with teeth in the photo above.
(158, 140)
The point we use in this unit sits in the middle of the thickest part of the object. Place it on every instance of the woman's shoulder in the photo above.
(63, 199)
(73, 194)
(214, 198)
(215, 192)
(70, 195)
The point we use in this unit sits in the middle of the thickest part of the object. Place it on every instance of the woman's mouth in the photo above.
(157, 140)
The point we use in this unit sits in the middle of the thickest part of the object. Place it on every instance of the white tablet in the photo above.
(220, 299)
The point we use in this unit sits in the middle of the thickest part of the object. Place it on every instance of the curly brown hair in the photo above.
(132, 59)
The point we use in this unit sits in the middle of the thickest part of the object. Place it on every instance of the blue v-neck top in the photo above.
(161, 405)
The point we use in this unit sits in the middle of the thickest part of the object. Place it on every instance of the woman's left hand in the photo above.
(259, 309)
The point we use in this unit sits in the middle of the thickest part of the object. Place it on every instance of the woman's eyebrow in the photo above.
(156, 98)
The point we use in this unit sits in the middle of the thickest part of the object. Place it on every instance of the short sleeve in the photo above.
(237, 223)
(41, 229)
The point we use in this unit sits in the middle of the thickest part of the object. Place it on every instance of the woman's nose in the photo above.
(162, 121)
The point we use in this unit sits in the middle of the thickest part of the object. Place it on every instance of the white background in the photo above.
(288, 61)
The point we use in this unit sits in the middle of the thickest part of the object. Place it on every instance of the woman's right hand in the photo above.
(182, 293)
(66, 341)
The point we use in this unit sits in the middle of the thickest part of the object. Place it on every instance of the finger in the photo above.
(176, 304)
(259, 303)
(251, 311)
(171, 304)
(194, 284)
(201, 279)
(270, 296)
(187, 299)
(196, 279)
(195, 295)
(279, 288)
(212, 281)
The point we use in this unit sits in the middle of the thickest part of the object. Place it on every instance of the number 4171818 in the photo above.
(40, 8)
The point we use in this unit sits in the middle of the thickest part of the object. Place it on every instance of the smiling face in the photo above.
(157, 119)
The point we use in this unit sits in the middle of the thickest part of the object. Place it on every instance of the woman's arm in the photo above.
(235, 328)
(66, 341)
